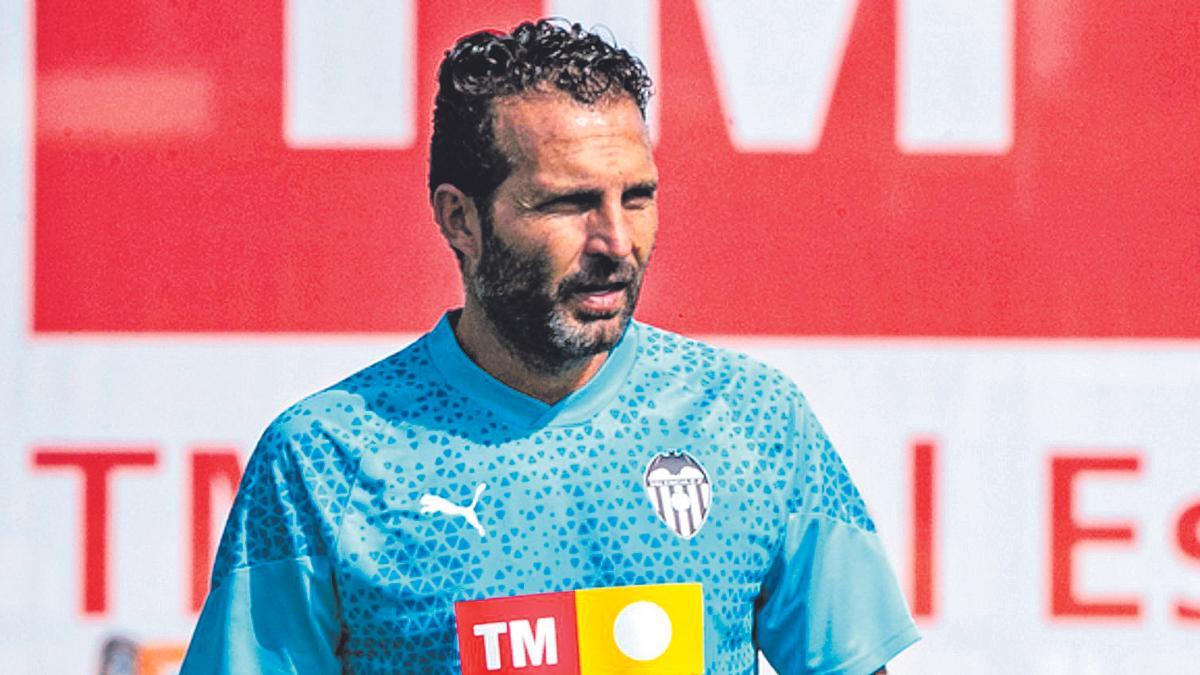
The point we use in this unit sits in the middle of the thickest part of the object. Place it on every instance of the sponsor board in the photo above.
(631, 629)
(184, 235)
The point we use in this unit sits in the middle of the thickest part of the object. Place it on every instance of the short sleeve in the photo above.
(273, 605)
(278, 617)
(830, 602)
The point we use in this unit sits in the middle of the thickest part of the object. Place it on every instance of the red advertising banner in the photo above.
(168, 197)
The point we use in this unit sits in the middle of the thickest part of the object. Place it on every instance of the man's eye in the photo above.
(569, 204)
(639, 199)
(563, 207)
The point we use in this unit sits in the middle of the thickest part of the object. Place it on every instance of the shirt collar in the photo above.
(464, 374)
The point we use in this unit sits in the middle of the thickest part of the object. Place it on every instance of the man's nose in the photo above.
(609, 230)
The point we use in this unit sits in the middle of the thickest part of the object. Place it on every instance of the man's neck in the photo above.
(479, 340)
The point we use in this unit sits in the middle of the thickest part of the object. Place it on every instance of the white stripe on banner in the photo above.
(991, 491)
(954, 76)
(348, 75)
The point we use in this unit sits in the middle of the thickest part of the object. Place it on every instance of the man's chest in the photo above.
(441, 520)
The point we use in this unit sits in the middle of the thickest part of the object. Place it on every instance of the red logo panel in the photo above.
(523, 634)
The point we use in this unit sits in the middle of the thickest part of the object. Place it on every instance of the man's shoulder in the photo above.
(357, 402)
(711, 368)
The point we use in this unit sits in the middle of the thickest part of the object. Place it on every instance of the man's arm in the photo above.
(830, 601)
(276, 617)
(273, 607)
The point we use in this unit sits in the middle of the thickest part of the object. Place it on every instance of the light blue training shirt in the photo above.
(329, 563)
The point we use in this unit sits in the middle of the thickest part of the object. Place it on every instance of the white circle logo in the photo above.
(642, 631)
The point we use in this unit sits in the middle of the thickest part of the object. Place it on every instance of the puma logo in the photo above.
(436, 504)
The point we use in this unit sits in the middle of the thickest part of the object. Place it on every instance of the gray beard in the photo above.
(535, 323)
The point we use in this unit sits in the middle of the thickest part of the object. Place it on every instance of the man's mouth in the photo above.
(600, 299)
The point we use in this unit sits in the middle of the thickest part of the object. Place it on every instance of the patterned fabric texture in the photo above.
(421, 481)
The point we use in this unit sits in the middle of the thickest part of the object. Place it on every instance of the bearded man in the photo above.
(672, 507)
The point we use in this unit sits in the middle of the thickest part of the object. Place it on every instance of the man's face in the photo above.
(570, 229)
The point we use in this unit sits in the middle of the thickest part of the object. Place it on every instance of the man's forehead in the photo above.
(524, 122)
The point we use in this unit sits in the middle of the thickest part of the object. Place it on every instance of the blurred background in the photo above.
(969, 230)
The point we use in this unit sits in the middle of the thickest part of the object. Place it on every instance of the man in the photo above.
(539, 441)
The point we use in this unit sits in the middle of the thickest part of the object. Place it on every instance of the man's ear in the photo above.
(458, 219)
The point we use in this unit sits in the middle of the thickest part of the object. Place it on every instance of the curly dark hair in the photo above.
(535, 56)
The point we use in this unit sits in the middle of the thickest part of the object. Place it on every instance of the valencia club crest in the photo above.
(680, 492)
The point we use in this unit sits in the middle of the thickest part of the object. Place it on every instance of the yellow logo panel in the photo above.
(655, 629)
